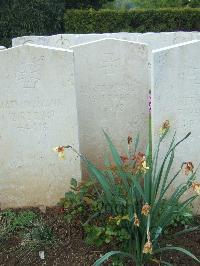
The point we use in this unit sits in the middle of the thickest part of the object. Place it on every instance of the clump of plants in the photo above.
(80, 200)
(28, 226)
(37, 236)
(130, 209)
(12, 222)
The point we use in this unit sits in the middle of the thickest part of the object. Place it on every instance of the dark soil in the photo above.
(69, 247)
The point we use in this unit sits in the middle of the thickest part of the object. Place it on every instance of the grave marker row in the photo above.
(154, 40)
(42, 107)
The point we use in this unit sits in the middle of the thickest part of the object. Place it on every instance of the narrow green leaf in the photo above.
(167, 171)
(109, 254)
(188, 230)
(185, 251)
(139, 189)
(113, 150)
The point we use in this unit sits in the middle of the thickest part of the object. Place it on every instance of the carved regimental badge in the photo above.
(28, 73)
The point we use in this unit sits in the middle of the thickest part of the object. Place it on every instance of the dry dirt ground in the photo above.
(69, 247)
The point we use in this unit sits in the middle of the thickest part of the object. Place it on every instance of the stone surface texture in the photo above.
(38, 112)
(176, 97)
(112, 81)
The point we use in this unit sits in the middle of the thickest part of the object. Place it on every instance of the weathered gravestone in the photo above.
(163, 39)
(154, 40)
(38, 112)
(112, 83)
(68, 40)
(176, 97)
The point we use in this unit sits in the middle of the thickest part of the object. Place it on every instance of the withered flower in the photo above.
(165, 127)
(141, 164)
(146, 209)
(124, 158)
(196, 187)
(130, 140)
(136, 220)
(61, 152)
(188, 168)
(148, 247)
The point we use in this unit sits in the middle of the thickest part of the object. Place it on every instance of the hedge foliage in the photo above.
(46, 17)
(96, 4)
(30, 17)
(87, 21)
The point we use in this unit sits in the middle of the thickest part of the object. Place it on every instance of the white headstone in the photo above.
(59, 40)
(154, 40)
(38, 112)
(176, 97)
(112, 82)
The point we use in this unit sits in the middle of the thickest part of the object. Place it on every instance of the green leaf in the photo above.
(186, 252)
(73, 184)
(113, 150)
(166, 263)
(188, 230)
(109, 254)
(139, 189)
(101, 179)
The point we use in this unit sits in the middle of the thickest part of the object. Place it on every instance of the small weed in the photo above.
(40, 234)
(27, 225)
(25, 219)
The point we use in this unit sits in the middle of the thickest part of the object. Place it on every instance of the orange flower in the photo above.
(165, 127)
(139, 158)
(188, 168)
(124, 158)
(196, 187)
(61, 152)
(146, 209)
(136, 220)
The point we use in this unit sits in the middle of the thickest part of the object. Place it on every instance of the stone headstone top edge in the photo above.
(175, 46)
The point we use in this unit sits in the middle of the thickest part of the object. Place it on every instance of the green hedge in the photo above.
(87, 21)
(46, 17)
(30, 17)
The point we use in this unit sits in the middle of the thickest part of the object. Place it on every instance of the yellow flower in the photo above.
(141, 164)
(146, 209)
(136, 220)
(165, 127)
(188, 168)
(196, 187)
(148, 248)
(144, 165)
(61, 152)
(119, 218)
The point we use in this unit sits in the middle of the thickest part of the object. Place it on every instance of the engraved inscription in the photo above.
(28, 74)
(36, 113)
(110, 63)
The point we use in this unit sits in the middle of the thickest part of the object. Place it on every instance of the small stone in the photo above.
(43, 208)
(41, 255)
